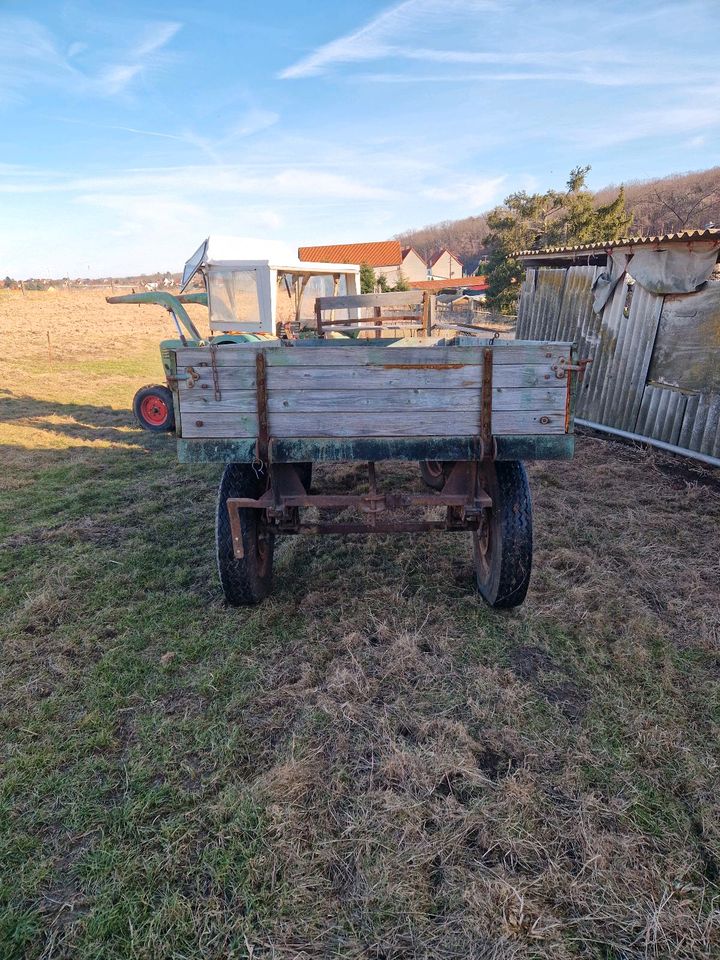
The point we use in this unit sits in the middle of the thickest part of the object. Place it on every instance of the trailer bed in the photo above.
(413, 397)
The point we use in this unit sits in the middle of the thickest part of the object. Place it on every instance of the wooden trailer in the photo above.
(469, 410)
(470, 413)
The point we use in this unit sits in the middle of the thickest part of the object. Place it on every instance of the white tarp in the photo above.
(672, 270)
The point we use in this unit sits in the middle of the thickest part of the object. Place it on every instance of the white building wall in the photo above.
(446, 266)
(414, 267)
(390, 273)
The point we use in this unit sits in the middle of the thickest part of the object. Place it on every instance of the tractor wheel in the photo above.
(244, 581)
(153, 409)
(435, 473)
(502, 544)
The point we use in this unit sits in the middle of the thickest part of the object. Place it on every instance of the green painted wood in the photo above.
(322, 449)
(378, 448)
(558, 447)
(216, 451)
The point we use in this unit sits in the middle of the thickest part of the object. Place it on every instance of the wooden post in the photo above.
(377, 311)
(426, 314)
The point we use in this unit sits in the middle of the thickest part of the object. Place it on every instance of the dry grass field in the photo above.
(372, 764)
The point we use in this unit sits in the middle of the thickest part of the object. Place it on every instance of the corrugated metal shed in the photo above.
(655, 373)
(684, 236)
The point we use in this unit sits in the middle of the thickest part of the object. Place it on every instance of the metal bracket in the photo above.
(235, 530)
(262, 446)
(215, 373)
(486, 403)
(191, 376)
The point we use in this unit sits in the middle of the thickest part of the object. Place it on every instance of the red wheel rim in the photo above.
(154, 410)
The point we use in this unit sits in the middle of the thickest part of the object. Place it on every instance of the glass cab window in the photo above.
(233, 299)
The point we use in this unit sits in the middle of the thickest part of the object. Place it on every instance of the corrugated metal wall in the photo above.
(556, 304)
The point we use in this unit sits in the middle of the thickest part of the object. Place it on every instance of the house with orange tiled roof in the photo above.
(386, 257)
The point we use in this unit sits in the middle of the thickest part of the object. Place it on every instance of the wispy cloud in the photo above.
(377, 38)
(139, 58)
(250, 122)
(237, 180)
(670, 120)
(579, 75)
(561, 42)
(397, 33)
(475, 194)
(33, 57)
(246, 124)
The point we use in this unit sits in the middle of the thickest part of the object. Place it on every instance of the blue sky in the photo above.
(129, 131)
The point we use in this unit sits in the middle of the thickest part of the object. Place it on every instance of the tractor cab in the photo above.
(253, 290)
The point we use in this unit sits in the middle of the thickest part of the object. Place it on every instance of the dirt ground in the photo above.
(372, 764)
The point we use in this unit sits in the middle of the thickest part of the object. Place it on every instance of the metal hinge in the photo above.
(562, 367)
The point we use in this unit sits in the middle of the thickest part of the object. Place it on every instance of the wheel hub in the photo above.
(154, 410)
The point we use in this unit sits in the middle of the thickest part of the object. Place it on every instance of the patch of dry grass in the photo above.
(372, 764)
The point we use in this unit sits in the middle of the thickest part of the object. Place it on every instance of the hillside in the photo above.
(677, 202)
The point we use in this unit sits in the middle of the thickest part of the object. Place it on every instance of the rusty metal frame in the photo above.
(236, 532)
(462, 495)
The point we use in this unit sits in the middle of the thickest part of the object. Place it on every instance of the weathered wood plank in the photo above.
(385, 323)
(340, 354)
(394, 299)
(374, 401)
(403, 377)
(417, 424)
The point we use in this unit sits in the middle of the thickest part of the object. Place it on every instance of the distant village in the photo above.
(389, 259)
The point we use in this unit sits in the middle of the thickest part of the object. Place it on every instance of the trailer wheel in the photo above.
(435, 473)
(502, 545)
(247, 581)
(153, 408)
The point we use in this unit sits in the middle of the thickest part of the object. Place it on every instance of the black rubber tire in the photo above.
(503, 546)
(304, 471)
(435, 473)
(248, 581)
(165, 398)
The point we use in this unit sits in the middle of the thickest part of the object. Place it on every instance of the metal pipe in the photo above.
(163, 299)
(400, 526)
(660, 444)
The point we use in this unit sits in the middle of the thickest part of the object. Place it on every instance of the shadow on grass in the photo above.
(87, 422)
